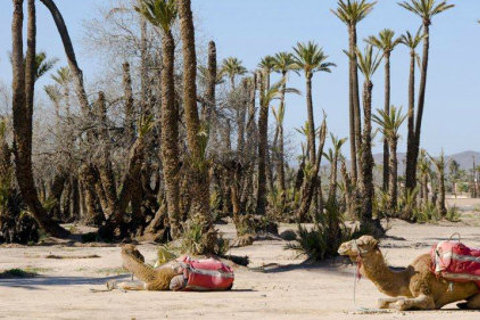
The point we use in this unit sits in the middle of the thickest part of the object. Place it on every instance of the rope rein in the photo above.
(356, 279)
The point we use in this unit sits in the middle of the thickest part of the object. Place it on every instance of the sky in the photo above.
(252, 29)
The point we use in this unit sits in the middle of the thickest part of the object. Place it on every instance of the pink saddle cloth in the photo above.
(455, 261)
(206, 275)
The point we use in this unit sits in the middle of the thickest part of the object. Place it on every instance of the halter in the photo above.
(358, 276)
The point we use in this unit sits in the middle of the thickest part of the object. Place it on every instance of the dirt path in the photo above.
(286, 290)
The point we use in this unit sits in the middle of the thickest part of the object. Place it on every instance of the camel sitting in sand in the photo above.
(415, 287)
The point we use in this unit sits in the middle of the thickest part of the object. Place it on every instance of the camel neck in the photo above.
(389, 282)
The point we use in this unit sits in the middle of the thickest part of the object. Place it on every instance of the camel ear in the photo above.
(372, 242)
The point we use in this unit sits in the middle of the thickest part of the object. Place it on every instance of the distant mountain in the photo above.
(464, 159)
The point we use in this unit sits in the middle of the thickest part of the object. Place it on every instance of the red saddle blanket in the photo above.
(206, 275)
(455, 261)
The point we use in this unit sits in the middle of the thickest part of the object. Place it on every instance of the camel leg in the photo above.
(472, 303)
(385, 303)
(422, 302)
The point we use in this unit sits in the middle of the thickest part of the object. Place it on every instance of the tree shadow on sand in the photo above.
(36, 282)
(338, 266)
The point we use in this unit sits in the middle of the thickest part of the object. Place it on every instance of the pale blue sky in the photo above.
(251, 29)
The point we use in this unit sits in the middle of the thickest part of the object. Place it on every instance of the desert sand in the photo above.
(277, 284)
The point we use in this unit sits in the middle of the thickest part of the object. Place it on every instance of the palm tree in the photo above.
(163, 14)
(267, 65)
(333, 156)
(23, 84)
(196, 138)
(70, 53)
(283, 63)
(386, 42)
(310, 58)
(266, 98)
(368, 64)
(232, 67)
(390, 123)
(351, 13)
(43, 65)
(454, 175)
(440, 165)
(424, 167)
(412, 42)
(426, 10)
(63, 77)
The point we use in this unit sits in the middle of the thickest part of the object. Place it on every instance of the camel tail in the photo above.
(136, 266)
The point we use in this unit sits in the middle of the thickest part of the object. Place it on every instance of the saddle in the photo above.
(454, 261)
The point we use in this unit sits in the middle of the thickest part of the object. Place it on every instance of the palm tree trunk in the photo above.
(128, 123)
(281, 149)
(71, 59)
(356, 97)
(367, 167)
(352, 106)
(411, 162)
(170, 151)
(421, 101)
(22, 108)
(200, 181)
(262, 151)
(311, 183)
(332, 193)
(392, 185)
(311, 123)
(386, 162)
(211, 81)
(144, 82)
(441, 193)
(241, 114)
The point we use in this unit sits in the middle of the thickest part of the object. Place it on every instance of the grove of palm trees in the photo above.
(142, 124)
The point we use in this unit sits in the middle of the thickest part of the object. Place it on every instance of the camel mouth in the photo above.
(342, 251)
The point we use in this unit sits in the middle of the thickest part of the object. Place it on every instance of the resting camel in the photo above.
(150, 278)
(415, 287)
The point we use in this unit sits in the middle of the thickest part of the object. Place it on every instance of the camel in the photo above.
(415, 287)
(167, 277)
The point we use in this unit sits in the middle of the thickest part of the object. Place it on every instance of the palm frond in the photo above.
(160, 13)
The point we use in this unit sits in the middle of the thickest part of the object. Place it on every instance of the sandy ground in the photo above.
(286, 289)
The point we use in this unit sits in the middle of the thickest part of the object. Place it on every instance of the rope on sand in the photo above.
(361, 309)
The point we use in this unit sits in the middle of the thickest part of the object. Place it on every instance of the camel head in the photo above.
(131, 250)
(359, 247)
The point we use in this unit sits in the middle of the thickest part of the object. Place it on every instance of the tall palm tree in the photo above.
(390, 123)
(426, 10)
(310, 58)
(196, 137)
(386, 42)
(412, 42)
(351, 13)
(163, 14)
(23, 84)
(368, 63)
(267, 95)
(233, 67)
(283, 63)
